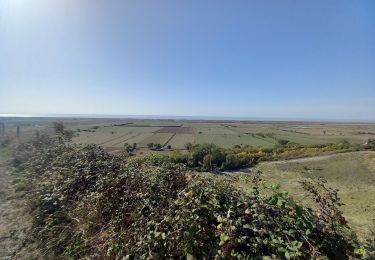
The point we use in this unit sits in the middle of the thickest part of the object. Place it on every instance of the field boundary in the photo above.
(127, 139)
(112, 139)
(169, 139)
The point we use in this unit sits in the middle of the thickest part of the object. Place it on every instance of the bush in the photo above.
(188, 146)
(154, 146)
(370, 144)
(128, 150)
(212, 158)
(90, 204)
(62, 132)
(283, 142)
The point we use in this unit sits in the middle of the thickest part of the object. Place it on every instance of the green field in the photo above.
(225, 135)
(114, 133)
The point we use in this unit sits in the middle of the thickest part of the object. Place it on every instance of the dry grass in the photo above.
(352, 173)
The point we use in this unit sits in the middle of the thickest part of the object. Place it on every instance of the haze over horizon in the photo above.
(188, 117)
(246, 59)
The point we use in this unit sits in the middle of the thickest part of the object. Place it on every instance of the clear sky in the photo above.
(289, 59)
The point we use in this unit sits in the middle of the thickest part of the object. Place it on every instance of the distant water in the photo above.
(183, 117)
(142, 117)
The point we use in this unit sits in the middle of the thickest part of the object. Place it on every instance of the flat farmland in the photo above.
(121, 140)
(158, 138)
(229, 140)
(114, 133)
(179, 140)
(277, 132)
(176, 130)
(176, 137)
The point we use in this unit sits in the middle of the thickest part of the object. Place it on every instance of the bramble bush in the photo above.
(91, 204)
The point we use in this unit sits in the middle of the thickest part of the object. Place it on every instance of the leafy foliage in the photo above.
(62, 132)
(209, 157)
(89, 203)
(155, 146)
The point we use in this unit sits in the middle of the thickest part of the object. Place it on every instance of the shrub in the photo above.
(283, 142)
(62, 132)
(188, 146)
(370, 144)
(154, 146)
(90, 204)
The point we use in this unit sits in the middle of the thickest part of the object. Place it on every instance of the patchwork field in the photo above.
(114, 133)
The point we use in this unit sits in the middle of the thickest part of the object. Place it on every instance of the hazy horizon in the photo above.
(246, 59)
(190, 117)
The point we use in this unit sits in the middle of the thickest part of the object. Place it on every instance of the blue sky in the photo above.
(288, 59)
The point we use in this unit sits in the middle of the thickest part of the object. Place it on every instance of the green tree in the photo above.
(188, 146)
(60, 131)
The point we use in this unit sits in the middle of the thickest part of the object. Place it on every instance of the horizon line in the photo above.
(184, 117)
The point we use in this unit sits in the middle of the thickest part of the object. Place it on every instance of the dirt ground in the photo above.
(15, 220)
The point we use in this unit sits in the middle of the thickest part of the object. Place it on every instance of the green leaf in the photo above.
(224, 237)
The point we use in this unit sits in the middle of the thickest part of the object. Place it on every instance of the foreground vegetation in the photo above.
(209, 157)
(352, 173)
(89, 203)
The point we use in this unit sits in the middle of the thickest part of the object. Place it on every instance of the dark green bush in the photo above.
(209, 157)
(154, 146)
(283, 142)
